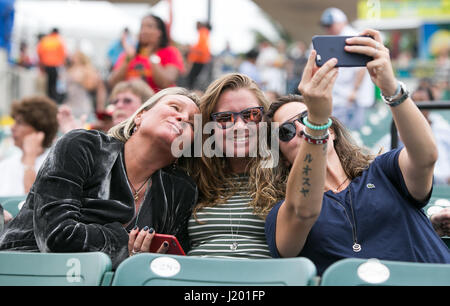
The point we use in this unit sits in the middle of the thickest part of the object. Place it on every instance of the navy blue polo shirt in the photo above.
(390, 224)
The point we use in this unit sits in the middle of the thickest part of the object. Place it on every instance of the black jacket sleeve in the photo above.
(57, 196)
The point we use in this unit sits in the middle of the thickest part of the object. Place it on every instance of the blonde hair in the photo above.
(138, 87)
(124, 130)
(211, 173)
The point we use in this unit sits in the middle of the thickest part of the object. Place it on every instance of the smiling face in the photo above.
(240, 138)
(288, 113)
(171, 117)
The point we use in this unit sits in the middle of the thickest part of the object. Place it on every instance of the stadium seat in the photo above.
(372, 272)
(164, 270)
(54, 269)
(11, 204)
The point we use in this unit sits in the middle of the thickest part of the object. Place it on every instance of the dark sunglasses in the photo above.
(226, 120)
(288, 130)
(124, 100)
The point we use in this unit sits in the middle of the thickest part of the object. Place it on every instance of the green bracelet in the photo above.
(317, 127)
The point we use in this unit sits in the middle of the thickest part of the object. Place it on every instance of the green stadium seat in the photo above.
(11, 204)
(373, 272)
(164, 270)
(54, 269)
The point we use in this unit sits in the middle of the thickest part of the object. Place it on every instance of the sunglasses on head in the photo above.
(226, 120)
(288, 130)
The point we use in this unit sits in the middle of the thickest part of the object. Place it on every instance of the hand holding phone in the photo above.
(174, 246)
(329, 46)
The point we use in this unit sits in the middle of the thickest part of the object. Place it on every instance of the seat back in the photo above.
(11, 204)
(163, 270)
(53, 269)
(371, 272)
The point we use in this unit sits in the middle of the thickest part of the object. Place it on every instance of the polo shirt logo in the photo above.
(370, 186)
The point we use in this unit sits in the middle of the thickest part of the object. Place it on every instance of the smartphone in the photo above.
(174, 246)
(329, 46)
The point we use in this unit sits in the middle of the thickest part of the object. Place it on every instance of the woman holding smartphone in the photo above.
(339, 201)
(111, 193)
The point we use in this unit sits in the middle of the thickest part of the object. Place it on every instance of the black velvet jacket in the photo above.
(81, 199)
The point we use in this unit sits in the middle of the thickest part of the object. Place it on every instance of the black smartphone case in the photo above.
(329, 46)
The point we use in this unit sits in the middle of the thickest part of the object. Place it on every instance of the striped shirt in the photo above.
(220, 227)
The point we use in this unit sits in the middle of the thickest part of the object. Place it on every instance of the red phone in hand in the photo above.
(174, 246)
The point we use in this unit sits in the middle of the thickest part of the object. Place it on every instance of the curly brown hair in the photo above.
(354, 159)
(40, 112)
(211, 173)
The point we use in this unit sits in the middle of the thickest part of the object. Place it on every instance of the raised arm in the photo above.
(418, 157)
(305, 186)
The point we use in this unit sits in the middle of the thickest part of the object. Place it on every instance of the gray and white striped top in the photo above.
(233, 222)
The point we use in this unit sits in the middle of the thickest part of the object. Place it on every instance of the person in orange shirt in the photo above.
(199, 54)
(52, 55)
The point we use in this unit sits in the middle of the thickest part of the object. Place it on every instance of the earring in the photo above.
(134, 130)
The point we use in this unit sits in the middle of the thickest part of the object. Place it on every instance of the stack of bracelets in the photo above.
(323, 139)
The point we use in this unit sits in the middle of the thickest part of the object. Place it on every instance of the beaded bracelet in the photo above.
(314, 139)
(317, 127)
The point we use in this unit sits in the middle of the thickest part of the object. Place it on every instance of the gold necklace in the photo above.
(136, 192)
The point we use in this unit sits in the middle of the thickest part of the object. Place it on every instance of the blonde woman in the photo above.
(111, 193)
(235, 190)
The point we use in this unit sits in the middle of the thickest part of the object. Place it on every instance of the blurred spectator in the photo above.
(52, 55)
(249, 68)
(116, 48)
(24, 59)
(353, 91)
(271, 66)
(271, 95)
(33, 131)
(226, 60)
(83, 83)
(199, 55)
(154, 60)
(294, 67)
(440, 128)
(126, 97)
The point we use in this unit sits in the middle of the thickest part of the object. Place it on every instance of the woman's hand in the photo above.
(380, 68)
(140, 241)
(316, 87)
(441, 222)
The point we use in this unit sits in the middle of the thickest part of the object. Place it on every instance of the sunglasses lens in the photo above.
(225, 120)
(286, 132)
(253, 115)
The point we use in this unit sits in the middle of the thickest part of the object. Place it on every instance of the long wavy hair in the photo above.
(124, 130)
(353, 158)
(212, 173)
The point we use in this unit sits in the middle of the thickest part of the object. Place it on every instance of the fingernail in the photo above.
(145, 228)
(166, 244)
(151, 230)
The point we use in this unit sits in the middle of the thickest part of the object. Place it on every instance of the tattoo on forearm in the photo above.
(306, 169)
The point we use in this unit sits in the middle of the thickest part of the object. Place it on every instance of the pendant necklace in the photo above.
(136, 192)
(356, 246)
(234, 245)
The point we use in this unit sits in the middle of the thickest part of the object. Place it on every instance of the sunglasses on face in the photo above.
(226, 120)
(125, 101)
(288, 130)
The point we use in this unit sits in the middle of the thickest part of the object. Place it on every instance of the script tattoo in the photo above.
(306, 184)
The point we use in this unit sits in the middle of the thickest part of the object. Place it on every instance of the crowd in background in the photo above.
(146, 81)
